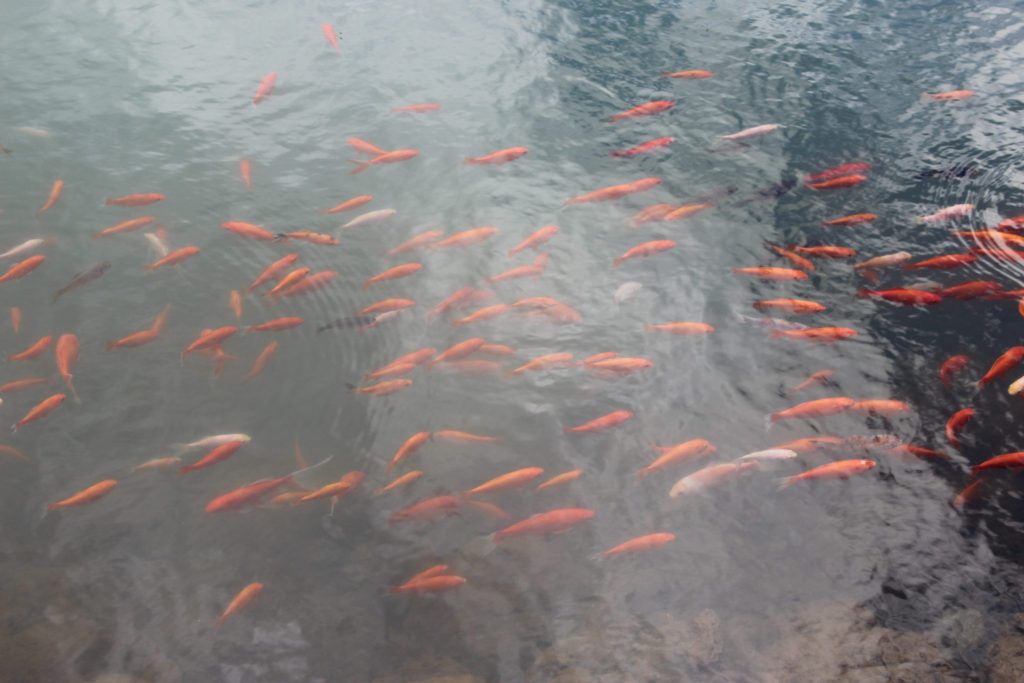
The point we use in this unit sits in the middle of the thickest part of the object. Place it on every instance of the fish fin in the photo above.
(302, 477)
(481, 546)
(862, 293)
(784, 483)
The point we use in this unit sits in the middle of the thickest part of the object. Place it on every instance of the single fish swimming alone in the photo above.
(83, 278)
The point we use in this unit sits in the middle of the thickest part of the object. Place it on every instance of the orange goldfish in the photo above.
(655, 212)
(646, 109)
(827, 251)
(838, 182)
(411, 445)
(853, 219)
(235, 302)
(245, 170)
(261, 361)
(821, 407)
(423, 239)
(462, 437)
(58, 187)
(244, 597)
(353, 203)
(682, 452)
(249, 230)
(956, 423)
(511, 480)
(265, 87)
(136, 199)
(430, 584)
(685, 211)
(1004, 461)
(546, 523)
(460, 350)
(126, 226)
(485, 313)
(438, 506)
(276, 325)
(34, 349)
(819, 377)
(688, 74)
(616, 191)
(273, 270)
(22, 268)
(537, 238)
(905, 296)
(311, 283)
(791, 256)
(88, 495)
(22, 384)
(174, 258)
(560, 479)
(16, 319)
(66, 354)
(644, 147)
(645, 249)
(421, 108)
(543, 362)
(385, 305)
(210, 338)
(142, 336)
(950, 95)
(292, 278)
(467, 237)
(840, 469)
(384, 388)
(404, 480)
(404, 270)
(825, 335)
(502, 156)
(41, 410)
(386, 158)
(951, 366)
(616, 417)
(769, 273)
(336, 490)
(1006, 362)
(881, 407)
(797, 306)
(218, 454)
(680, 328)
(640, 544)
(331, 35)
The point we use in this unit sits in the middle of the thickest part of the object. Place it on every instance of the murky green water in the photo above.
(873, 578)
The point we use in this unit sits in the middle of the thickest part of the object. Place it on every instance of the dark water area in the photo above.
(876, 577)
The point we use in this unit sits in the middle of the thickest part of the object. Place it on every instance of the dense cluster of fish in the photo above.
(286, 277)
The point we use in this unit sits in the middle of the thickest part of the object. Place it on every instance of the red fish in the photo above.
(690, 74)
(22, 268)
(431, 508)
(646, 109)
(323, 239)
(364, 147)
(41, 410)
(293, 277)
(261, 361)
(174, 258)
(685, 211)
(331, 35)
(404, 480)
(273, 270)
(411, 445)
(460, 350)
(22, 384)
(247, 495)
(841, 469)
(951, 366)
(686, 451)
(906, 297)
(265, 87)
(975, 289)
(467, 237)
(620, 364)
(244, 597)
(819, 377)
(655, 212)
(245, 170)
(88, 495)
(430, 584)
(384, 388)
(683, 329)
(616, 191)
(643, 148)
(537, 238)
(58, 187)
(423, 239)
(956, 423)
(950, 96)
(141, 199)
(404, 270)
(769, 273)
(1004, 461)
(249, 230)
(355, 202)
(422, 108)
(66, 355)
(502, 156)
(349, 482)
(1006, 362)
(612, 419)
(640, 544)
(546, 523)
(386, 158)
(825, 335)
(821, 407)
(645, 249)
(853, 219)
(462, 437)
(16, 319)
(209, 339)
(793, 257)
(218, 454)
(560, 479)
(276, 325)
(126, 226)
(310, 283)
(837, 171)
(34, 349)
(839, 182)
(827, 251)
(944, 262)
(881, 407)
(797, 306)
(511, 480)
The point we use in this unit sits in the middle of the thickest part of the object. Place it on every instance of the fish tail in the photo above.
(74, 393)
(617, 261)
(185, 470)
(360, 166)
(784, 483)
(863, 293)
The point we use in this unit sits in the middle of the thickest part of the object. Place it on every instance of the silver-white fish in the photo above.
(709, 477)
(370, 217)
(772, 323)
(754, 132)
(769, 454)
(211, 442)
(885, 261)
(22, 248)
(1016, 386)
(626, 291)
(34, 132)
(955, 211)
(381, 318)
(159, 246)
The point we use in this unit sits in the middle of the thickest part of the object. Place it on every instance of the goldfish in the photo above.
(322, 239)
(87, 495)
(331, 35)
(944, 262)
(247, 594)
(14, 453)
(460, 297)
(621, 364)
(793, 257)
(265, 87)
(1001, 254)
(956, 423)
(840, 469)
(467, 237)
(640, 544)
(370, 217)
(644, 249)
(485, 313)
(825, 335)
(41, 410)
(612, 419)
(385, 305)
(174, 258)
(404, 480)
(211, 442)
(544, 523)
(544, 361)
(810, 444)
(769, 455)
(1006, 362)
(55, 191)
(22, 268)
(754, 132)
(438, 506)
(218, 454)
(968, 494)
(821, 407)
(837, 171)
(235, 302)
(411, 445)
(853, 219)
(681, 452)
(66, 354)
(974, 289)
(511, 480)
(616, 191)
(827, 251)
(348, 483)
(423, 239)
(156, 241)
(165, 463)
(708, 478)
(644, 147)
(685, 211)
(955, 211)
(261, 361)
(418, 108)
(276, 325)
(394, 273)
(560, 313)
(384, 388)
(22, 384)
(819, 377)
(907, 297)
(364, 147)
(386, 158)
(143, 336)
(129, 225)
(560, 480)
(535, 239)
(838, 182)
(534, 270)
(597, 358)
(245, 171)
(951, 366)
(1004, 461)
(391, 370)
(248, 494)
(502, 156)
(210, 338)
(310, 283)
(769, 273)
(680, 328)
(655, 212)
(950, 95)
(430, 584)
(16, 319)
(417, 357)
(249, 230)
(472, 365)
(646, 109)
(136, 199)
(797, 306)
(497, 350)
(881, 407)
(27, 245)
(688, 74)
(462, 437)
(292, 278)
(459, 350)
(349, 204)
(33, 350)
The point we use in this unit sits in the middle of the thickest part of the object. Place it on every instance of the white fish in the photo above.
(955, 211)
(1016, 386)
(34, 132)
(212, 442)
(756, 131)
(370, 217)
(159, 246)
(23, 247)
(708, 477)
(772, 323)
(627, 291)
(769, 454)
(885, 261)
(381, 318)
